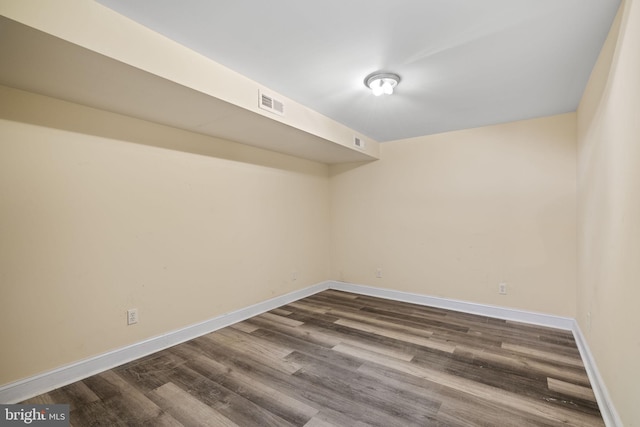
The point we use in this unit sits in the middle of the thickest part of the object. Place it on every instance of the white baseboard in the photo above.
(531, 317)
(608, 411)
(50, 380)
(609, 414)
(47, 381)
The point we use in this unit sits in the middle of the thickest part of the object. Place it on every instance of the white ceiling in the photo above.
(463, 63)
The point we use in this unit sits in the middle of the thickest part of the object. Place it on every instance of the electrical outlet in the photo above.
(132, 316)
(502, 288)
(379, 273)
(294, 275)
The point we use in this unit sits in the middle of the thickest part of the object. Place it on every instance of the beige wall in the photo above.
(454, 214)
(609, 213)
(100, 213)
(96, 217)
(97, 28)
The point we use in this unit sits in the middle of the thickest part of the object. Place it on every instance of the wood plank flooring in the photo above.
(341, 359)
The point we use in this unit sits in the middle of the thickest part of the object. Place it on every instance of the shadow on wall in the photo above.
(28, 107)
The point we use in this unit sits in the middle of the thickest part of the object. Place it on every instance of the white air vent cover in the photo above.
(358, 142)
(269, 103)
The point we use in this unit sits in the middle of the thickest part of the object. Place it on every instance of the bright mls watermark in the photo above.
(34, 415)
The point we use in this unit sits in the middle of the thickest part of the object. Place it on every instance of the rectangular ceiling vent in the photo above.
(358, 142)
(269, 103)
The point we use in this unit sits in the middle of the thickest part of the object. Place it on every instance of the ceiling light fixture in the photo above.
(382, 83)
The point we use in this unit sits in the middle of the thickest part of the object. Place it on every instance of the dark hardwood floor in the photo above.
(340, 359)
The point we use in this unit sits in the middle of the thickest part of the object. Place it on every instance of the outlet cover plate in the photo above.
(132, 316)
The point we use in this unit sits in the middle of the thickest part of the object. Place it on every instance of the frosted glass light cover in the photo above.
(382, 83)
